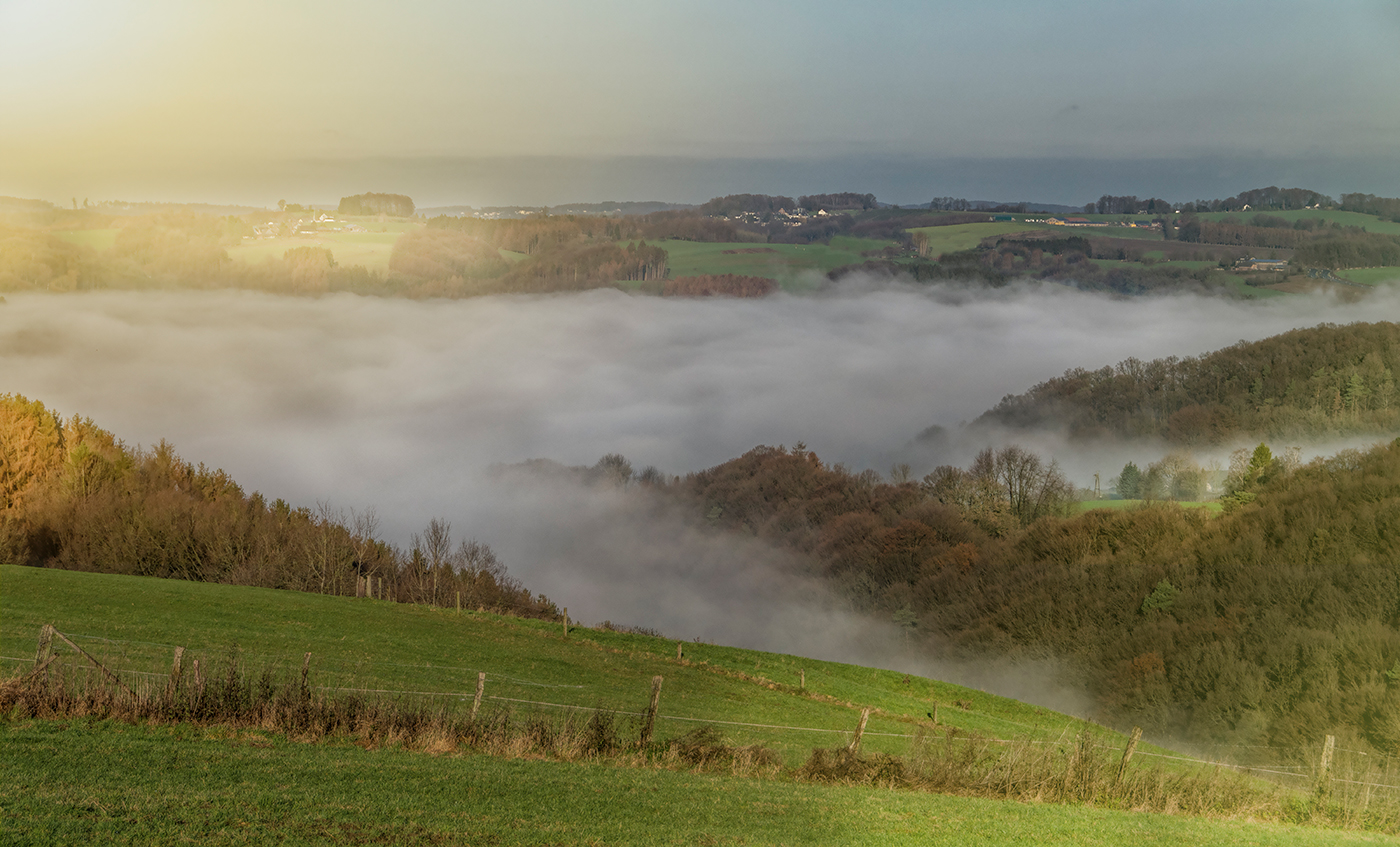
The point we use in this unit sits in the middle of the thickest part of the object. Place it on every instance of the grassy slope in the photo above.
(1370, 223)
(370, 249)
(174, 784)
(374, 645)
(688, 258)
(97, 239)
(1086, 505)
(164, 785)
(1371, 276)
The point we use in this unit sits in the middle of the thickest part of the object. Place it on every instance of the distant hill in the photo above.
(607, 207)
(1308, 383)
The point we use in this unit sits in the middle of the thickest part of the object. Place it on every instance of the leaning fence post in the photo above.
(45, 644)
(1128, 754)
(116, 680)
(854, 746)
(480, 689)
(305, 669)
(174, 682)
(649, 722)
(1324, 767)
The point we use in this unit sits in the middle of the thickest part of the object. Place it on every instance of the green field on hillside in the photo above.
(782, 262)
(950, 239)
(370, 249)
(1370, 223)
(97, 239)
(1371, 276)
(81, 783)
(135, 623)
(1211, 505)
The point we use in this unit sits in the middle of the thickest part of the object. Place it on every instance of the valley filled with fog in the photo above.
(403, 406)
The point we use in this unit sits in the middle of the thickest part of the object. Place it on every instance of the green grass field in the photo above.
(783, 262)
(1370, 223)
(370, 249)
(1253, 292)
(1371, 276)
(135, 623)
(97, 239)
(1347, 219)
(1086, 505)
(82, 783)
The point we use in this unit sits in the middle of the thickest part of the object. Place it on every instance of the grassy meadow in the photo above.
(84, 780)
(370, 249)
(134, 624)
(1371, 276)
(180, 785)
(1370, 223)
(783, 262)
(1211, 505)
(96, 239)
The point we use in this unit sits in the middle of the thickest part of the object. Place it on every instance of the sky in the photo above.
(554, 101)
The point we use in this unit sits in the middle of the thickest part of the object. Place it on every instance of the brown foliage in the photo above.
(721, 285)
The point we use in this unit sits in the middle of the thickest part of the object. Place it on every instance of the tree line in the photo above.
(73, 496)
(1322, 382)
(394, 205)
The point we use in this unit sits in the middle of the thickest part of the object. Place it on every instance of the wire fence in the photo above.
(609, 699)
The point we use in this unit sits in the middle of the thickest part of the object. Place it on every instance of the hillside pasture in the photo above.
(1370, 223)
(1371, 276)
(134, 623)
(97, 239)
(84, 782)
(370, 249)
(782, 262)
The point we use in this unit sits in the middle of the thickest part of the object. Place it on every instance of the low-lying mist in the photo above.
(403, 406)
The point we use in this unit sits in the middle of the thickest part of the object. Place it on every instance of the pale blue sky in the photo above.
(146, 98)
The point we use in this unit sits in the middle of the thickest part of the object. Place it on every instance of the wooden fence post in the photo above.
(198, 680)
(679, 652)
(480, 689)
(1324, 767)
(45, 644)
(305, 669)
(459, 602)
(854, 746)
(116, 680)
(802, 678)
(566, 621)
(174, 683)
(1128, 754)
(649, 722)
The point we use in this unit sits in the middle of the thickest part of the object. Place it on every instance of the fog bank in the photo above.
(401, 406)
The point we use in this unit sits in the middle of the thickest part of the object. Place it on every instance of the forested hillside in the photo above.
(1309, 383)
(1273, 623)
(73, 496)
